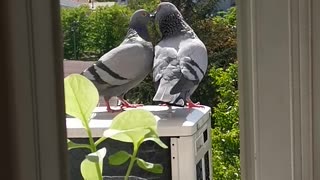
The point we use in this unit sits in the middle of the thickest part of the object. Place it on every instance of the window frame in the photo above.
(36, 104)
(279, 128)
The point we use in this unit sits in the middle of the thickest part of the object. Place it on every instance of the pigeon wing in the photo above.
(166, 73)
(121, 65)
(193, 64)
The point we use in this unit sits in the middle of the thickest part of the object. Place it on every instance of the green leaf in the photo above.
(154, 168)
(81, 97)
(156, 140)
(117, 134)
(132, 126)
(72, 145)
(97, 156)
(132, 136)
(88, 165)
(133, 119)
(88, 170)
(119, 158)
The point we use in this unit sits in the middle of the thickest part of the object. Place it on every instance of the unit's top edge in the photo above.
(176, 119)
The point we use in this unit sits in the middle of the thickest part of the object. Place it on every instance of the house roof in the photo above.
(69, 3)
(77, 67)
(81, 1)
(100, 4)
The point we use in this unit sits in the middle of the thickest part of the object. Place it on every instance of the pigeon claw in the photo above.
(109, 110)
(128, 105)
(190, 105)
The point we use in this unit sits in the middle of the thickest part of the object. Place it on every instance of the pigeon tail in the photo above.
(183, 84)
(163, 94)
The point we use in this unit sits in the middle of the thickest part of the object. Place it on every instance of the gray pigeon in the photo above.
(125, 66)
(180, 60)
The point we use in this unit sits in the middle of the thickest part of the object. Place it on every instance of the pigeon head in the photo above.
(165, 9)
(140, 18)
(170, 20)
(139, 22)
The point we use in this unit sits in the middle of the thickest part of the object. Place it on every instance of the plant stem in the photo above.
(81, 146)
(100, 140)
(93, 149)
(133, 158)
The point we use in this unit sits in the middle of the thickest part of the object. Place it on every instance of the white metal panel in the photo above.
(187, 158)
(175, 170)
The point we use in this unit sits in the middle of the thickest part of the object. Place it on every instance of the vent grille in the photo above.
(199, 170)
(207, 165)
(149, 151)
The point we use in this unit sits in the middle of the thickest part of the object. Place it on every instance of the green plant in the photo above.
(133, 126)
(81, 97)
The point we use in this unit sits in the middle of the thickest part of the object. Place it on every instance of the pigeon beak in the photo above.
(153, 15)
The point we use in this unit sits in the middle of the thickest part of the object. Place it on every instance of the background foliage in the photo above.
(225, 133)
(219, 36)
(193, 11)
(89, 34)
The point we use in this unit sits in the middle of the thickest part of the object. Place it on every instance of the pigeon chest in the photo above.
(173, 42)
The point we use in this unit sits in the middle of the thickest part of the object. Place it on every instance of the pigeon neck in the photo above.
(173, 24)
(142, 31)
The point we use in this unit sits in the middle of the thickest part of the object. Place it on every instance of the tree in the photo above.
(194, 10)
(225, 133)
(149, 5)
(75, 23)
(105, 31)
(88, 34)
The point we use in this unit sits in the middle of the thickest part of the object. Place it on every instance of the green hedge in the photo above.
(225, 134)
(89, 34)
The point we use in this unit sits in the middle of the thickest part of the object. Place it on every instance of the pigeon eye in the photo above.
(144, 14)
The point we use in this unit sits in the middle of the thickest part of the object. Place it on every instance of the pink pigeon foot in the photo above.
(109, 110)
(126, 104)
(190, 105)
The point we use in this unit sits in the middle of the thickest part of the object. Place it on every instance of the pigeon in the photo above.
(180, 61)
(125, 66)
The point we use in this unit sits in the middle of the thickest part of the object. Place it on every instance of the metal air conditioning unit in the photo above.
(187, 133)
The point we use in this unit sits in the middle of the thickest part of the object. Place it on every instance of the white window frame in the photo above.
(279, 111)
(278, 45)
